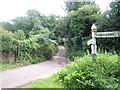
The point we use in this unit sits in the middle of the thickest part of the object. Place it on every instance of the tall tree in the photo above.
(8, 26)
(33, 12)
(49, 22)
(79, 22)
(110, 21)
(70, 6)
(29, 23)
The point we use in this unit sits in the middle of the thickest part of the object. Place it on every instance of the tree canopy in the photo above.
(110, 21)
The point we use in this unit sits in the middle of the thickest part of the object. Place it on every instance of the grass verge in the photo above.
(5, 66)
(11, 65)
(45, 83)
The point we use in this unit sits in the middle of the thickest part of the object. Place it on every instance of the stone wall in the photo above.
(7, 56)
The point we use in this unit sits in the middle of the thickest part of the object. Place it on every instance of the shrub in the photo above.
(47, 48)
(20, 35)
(46, 51)
(83, 73)
(32, 50)
(73, 53)
(7, 39)
(23, 51)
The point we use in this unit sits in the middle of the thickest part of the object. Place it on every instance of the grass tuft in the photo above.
(45, 83)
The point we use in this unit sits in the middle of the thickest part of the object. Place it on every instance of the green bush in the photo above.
(70, 53)
(20, 35)
(23, 51)
(48, 50)
(83, 73)
(78, 50)
(32, 50)
(36, 60)
(7, 39)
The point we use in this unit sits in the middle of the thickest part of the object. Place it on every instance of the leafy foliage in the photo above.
(34, 22)
(73, 6)
(79, 24)
(33, 12)
(110, 21)
(20, 35)
(83, 73)
(28, 23)
(34, 49)
(7, 39)
(30, 38)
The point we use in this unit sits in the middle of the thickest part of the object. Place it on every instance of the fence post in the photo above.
(94, 46)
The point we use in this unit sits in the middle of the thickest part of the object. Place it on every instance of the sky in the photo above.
(9, 9)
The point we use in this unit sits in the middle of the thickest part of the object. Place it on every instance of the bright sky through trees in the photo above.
(10, 9)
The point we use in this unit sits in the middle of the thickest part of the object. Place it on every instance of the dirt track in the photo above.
(21, 76)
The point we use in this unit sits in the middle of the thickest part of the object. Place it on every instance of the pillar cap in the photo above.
(94, 28)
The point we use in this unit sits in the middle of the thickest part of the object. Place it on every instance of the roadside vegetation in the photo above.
(30, 39)
(84, 73)
(21, 47)
(49, 82)
(28, 51)
(5, 66)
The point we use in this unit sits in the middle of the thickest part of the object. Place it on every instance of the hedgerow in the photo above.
(34, 49)
(83, 73)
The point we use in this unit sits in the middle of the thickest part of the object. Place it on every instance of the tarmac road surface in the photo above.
(22, 76)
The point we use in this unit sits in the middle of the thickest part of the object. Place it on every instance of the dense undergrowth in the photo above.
(84, 73)
(30, 50)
